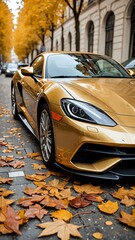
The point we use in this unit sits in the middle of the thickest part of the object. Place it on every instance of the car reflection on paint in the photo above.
(10, 69)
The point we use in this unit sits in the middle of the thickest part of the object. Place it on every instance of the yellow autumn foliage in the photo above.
(6, 30)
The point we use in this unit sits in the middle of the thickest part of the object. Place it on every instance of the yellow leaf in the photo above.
(62, 214)
(108, 207)
(97, 235)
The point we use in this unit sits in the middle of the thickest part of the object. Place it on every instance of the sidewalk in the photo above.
(16, 142)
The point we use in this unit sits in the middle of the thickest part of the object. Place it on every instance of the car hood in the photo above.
(114, 95)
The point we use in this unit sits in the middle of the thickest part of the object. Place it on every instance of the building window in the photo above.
(90, 36)
(109, 34)
(132, 38)
(70, 41)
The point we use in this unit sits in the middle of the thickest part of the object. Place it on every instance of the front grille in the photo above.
(89, 153)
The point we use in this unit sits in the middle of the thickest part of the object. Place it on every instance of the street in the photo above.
(18, 143)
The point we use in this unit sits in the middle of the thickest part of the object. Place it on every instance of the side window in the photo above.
(37, 65)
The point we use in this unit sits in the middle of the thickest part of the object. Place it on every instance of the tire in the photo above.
(46, 138)
(13, 103)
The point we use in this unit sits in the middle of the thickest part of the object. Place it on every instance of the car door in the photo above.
(31, 89)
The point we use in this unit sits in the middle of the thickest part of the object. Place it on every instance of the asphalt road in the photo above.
(93, 220)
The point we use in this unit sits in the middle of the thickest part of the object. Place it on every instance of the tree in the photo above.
(35, 22)
(76, 7)
(6, 28)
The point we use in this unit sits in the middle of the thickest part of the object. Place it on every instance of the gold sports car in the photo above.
(81, 108)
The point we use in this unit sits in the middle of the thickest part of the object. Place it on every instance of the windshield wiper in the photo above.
(65, 76)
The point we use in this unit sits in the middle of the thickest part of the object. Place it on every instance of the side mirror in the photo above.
(131, 72)
(27, 71)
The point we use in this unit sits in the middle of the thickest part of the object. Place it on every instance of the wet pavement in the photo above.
(22, 142)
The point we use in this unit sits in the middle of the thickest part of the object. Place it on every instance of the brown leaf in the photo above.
(35, 177)
(5, 192)
(63, 203)
(33, 155)
(38, 166)
(128, 201)
(127, 218)
(12, 221)
(65, 193)
(120, 193)
(88, 188)
(57, 184)
(92, 197)
(63, 229)
(30, 200)
(17, 164)
(5, 202)
(6, 180)
(79, 202)
(31, 191)
(4, 230)
(9, 159)
(108, 207)
(48, 201)
(35, 211)
(2, 163)
(62, 214)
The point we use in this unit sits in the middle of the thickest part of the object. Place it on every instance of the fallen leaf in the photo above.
(127, 218)
(35, 211)
(5, 202)
(4, 230)
(92, 197)
(32, 191)
(63, 229)
(38, 166)
(17, 164)
(6, 192)
(2, 163)
(33, 154)
(25, 202)
(128, 201)
(35, 177)
(11, 221)
(108, 223)
(79, 202)
(88, 188)
(108, 207)
(97, 235)
(6, 180)
(62, 214)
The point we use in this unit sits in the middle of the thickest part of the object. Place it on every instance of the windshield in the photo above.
(12, 65)
(83, 65)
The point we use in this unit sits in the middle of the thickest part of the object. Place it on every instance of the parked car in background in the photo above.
(81, 108)
(130, 65)
(11, 68)
(3, 68)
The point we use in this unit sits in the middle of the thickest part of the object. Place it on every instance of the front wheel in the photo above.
(13, 103)
(46, 137)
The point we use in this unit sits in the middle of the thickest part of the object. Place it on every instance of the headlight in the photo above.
(85, 112)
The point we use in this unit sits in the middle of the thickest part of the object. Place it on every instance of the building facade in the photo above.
(106, 27)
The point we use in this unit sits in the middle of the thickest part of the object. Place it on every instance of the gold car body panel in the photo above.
(115, 96)
(71, 135)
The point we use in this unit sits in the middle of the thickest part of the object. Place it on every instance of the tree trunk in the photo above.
(52, 37)
(77, 32)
